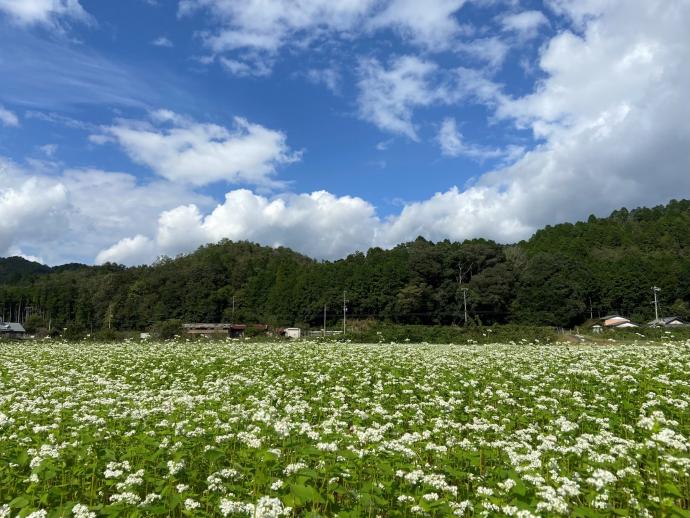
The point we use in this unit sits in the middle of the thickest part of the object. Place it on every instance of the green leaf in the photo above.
(20, 502)
(307, 494)
(671, 489)
(584, 511)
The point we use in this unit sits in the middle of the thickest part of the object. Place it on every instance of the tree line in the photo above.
(562, 276)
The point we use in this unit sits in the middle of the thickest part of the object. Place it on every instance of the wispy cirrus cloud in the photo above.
(50, 74)
(388, 95)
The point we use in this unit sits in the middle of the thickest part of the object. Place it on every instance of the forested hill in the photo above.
(560, 276)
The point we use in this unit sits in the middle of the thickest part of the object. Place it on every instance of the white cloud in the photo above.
(453, 144)
(162, 41)
(492, 51)
(319, 224)
(330, 77)
(266, 26)
(182, 150)
(74, 214)
(430, 24)
(137, 250)
(49, 149)
(44, 12)
(388, 97)
(7, 118)
(525, 23)
(30, 208)
(255, 68)
(622, 65)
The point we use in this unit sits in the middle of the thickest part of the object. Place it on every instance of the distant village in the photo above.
(16, 330)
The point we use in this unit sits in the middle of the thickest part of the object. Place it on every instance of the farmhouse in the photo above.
(617, 322)
(666, 322)
(11, 330)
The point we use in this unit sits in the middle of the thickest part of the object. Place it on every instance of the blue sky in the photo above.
(139, 128)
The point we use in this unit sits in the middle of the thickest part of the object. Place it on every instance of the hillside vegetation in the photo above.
(560, 277)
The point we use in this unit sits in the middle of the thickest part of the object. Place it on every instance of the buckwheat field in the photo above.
(305, 429)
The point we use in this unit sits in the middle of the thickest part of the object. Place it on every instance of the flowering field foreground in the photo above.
(224, 429)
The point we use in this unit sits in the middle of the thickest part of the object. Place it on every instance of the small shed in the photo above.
(293, 332)
(208, 329)
(12, 330)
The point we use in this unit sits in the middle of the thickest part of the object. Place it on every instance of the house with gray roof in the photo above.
(12, 330)
(666, 322)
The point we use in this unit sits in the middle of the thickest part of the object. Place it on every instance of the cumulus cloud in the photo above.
(182, 150)
(45, 12)
(31, 209)
(7, 118)
(132, 250)
(319, 224)
(72, 214)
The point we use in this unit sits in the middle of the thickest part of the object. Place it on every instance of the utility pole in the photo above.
(464, 302)
(656, 303)
(461, 274)
(324, 320)
(232, 317)
(109, 314)
(344, 312)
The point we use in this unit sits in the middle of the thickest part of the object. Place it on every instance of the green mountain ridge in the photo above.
(561, 276)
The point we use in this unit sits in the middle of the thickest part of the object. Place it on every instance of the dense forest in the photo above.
(561, 276)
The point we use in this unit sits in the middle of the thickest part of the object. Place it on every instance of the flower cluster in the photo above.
(269, 430)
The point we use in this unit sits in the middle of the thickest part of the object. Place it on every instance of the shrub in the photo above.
(168, 328)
